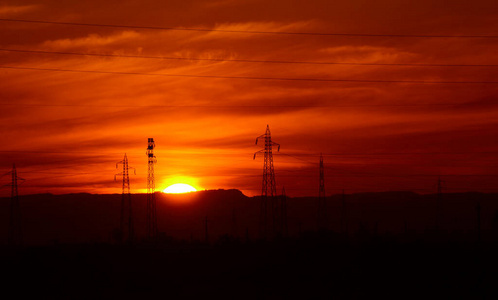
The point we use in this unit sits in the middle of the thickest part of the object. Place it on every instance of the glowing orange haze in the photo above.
(66, 130)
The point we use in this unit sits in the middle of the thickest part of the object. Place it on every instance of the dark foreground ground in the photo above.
(315, 265)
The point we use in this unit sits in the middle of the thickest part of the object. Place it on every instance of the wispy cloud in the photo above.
(15, 10)
(205, 127)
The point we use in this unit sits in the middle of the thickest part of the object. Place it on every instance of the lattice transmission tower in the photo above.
(126, 201)
(269, 189)
(151, 200)
(322, 208)
(15, 232)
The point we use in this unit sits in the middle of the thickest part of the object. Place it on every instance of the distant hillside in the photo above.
(83, 218)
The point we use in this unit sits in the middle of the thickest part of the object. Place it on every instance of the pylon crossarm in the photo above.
(18, 178)
(255, 153)
(8, 173)
(261, 136)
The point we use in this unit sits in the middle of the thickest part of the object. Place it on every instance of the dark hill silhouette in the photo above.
(377, 257)
(87, 218)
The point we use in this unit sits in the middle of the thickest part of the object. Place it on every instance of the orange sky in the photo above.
(66, 130)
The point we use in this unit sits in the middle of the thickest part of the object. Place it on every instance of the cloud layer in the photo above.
(65, 129)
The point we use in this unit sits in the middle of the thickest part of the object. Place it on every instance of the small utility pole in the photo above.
(206, 230)
(283, 207)
(344, 225)
(478, 210)
(439, 204)
(322, 209)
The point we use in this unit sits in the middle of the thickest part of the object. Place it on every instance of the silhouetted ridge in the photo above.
(89, 218)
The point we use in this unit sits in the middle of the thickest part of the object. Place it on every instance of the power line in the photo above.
(299, 156)
(383, 175)
(375, 190)
(61, 176)
(245, 60)
(238, 106)
(58, 152)
(249, 31)
(65, 174)
(310, 155)
(391, 153)
(249, 77)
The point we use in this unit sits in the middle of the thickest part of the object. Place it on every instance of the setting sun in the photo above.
(179, 188)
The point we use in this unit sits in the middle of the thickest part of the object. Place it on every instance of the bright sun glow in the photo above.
(179, 188)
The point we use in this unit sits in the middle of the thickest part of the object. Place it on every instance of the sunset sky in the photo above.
(394, 93)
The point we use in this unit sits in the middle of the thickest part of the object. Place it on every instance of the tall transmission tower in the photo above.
(15, 233)
(269, 189)
(322, 209)
(151, 200)
(126, 200)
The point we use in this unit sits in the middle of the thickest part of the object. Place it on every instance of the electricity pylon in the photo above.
(126, 200)
(15, 232)
(322, 209)
(269, 189)
(151, 200)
